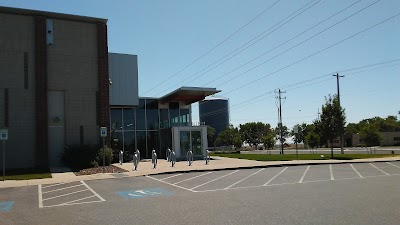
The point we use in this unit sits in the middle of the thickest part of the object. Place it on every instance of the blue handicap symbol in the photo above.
(141, 193)
(6, 206)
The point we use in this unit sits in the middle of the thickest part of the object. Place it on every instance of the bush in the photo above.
(108, 156)
(81, 157)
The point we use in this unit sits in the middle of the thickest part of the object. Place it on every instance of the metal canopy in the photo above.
(188, 95)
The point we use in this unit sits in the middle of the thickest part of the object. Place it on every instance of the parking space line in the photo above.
(192, 178)
(102, 199)
(356, 171)
(65, 194)
(63, 188)
(77, 203)
(172, 176)
(304, 174)
(330, 168)
(304, 182)
(187, 189)
(54, 185)
(379, 169)
(245, 178)
(215, 179)
(40, 196)
(275, 177)
(392, 164)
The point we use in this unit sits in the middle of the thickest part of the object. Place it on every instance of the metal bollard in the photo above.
(154, 158)
(138, 155)
(189, 157)
(172, 158)
(207, 157)
(121, 157)
(168, 153)
(135, 162)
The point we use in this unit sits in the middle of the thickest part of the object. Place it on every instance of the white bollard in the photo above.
(172, 158)
(154, 158)
(135, 162)
(189, 157)
(121, 157)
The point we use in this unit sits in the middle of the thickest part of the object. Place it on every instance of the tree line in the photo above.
(330, 125)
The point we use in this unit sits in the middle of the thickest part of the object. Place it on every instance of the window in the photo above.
(129, 119)
(116, 119)
(396, 139)
(140, 116)
(152, 114)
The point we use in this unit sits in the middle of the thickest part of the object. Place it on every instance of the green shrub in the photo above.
(80, 157)
(108, 156)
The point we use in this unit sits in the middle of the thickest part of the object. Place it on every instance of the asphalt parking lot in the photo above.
(359, 193)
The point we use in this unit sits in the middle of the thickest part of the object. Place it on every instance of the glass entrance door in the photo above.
(184, 143)
(196, 143)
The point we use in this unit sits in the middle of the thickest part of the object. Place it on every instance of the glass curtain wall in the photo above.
(136, 128)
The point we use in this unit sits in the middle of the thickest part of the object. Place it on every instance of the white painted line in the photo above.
(76, 203)
(170, 184)
(215, 179)
(65, 194)
(63, 188)
(274, 177)
(77, 200)
(102, 199)
(55, 185)
(40, 196)
(392, 164)
(305, 182)
(172, 176)
(378, 169)
(359, 174)
(304, 174)
(245, 178)
(330, 168)
(192, 178)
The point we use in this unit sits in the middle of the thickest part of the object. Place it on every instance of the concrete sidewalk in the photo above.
(145, 168)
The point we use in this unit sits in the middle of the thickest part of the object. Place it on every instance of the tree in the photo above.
(253, 133)
(332, 120)
(285, 133)
(210, 135)
(269, 140)
(312, 139)
(230, 136)
(352, 128)
(370, 135)
(301, 134)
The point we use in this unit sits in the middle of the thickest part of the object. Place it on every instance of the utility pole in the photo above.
(280, 117)
(338, 94)
(318, 114)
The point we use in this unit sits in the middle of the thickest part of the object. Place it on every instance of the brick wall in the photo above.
(103, 98)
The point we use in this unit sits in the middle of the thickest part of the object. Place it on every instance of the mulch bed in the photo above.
(100, 169)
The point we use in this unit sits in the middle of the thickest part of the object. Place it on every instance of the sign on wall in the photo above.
(103, 131)
(4, 134)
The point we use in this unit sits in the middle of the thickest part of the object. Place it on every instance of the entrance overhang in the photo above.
(188, 95)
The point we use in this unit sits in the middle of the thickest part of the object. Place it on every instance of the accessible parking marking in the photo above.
(6, 206)
(68, 195)
(142, 193)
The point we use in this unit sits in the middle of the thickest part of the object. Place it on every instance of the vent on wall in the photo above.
(49, 32)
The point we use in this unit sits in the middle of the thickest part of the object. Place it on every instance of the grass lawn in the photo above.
(25, 174)
(289, 157)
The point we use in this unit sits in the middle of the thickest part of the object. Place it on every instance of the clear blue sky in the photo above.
(169, 35)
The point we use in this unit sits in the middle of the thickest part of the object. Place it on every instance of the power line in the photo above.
(295, 46)
(177, 84)
(216, 46)
(315, 53)
(287, 41)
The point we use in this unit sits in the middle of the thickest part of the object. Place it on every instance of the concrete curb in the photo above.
(23, 183)
(266, 166)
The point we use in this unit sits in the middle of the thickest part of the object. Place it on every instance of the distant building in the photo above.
(214, 112)
(354, 140)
